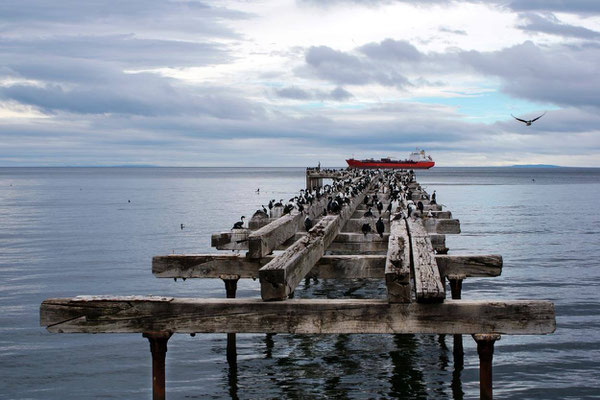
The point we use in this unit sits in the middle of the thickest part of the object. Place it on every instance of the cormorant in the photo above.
(307, 224)
(182, 226)
(239, 224)
(366, 228)
(380, 227)
(368, 213)
(379, 207)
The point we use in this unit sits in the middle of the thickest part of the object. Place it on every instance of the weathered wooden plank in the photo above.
(441, 226)
(328, 267)
(267, 238)
(438, 242)
(470, 265)
(236, 239)
(194, 315)
(280, 276)
(429, 286)
(397, 265)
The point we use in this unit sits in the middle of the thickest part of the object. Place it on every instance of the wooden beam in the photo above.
(429, 286)
(267, 238)
(441, 225)
(193, 315)
(470, 265)
(328, 267)
(397, 264)
(281, 275)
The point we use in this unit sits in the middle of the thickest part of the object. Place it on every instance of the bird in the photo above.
(389, 207)
(307, 224)
(182, 226)
(258, 191)
(528, 122)
(368, 213)
(366, 228)
(379, 207)
(380, 227)
(239, 224)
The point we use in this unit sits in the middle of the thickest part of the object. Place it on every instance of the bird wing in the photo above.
(518, 119)
(535, 119)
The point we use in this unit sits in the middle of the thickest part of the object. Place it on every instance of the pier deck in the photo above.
(409, 255)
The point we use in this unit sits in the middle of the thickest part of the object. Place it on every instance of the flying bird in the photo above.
(529, 122)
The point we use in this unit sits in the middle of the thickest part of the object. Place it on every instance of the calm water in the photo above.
(71, 231)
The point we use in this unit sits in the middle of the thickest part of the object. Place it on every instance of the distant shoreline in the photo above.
(517, 166)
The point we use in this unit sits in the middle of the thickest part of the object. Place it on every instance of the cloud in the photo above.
(549, 24)
(342, 68)
(294, 93)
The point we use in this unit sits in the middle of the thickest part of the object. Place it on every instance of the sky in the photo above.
(297, 82)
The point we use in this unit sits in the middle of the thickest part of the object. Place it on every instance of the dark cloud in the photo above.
(549, 24)
(294, 93)
(558, 75)
(342, 68)
(389, 49)
(584, 7)
(340, 94)
(561, 75)
(126, 50)
(566, 6)
(188, 18)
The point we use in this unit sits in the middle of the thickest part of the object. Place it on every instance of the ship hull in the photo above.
(352, 163)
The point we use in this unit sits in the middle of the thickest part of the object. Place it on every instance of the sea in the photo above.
(82, 231)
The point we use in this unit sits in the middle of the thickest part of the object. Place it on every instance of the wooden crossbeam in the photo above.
(441, 225)
(193, 315)
(281, 275)
(328, 267)
(429, 286)
(469, 266)
(266, 239)
(397, 264)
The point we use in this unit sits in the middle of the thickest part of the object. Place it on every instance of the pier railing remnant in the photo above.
(408, 251)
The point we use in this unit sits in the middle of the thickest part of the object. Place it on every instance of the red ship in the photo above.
(416, 160)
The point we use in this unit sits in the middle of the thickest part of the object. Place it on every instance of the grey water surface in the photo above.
(73, 231)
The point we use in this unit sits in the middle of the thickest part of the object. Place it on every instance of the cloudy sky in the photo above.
(294, 82)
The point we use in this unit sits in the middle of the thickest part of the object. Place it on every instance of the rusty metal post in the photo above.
(158, 348)
(455, 282)
(230, 289)
(485, 349)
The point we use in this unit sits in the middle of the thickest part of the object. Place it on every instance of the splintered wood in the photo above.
(429, 287)
(397, 264)
(190, 315)
(279, 278)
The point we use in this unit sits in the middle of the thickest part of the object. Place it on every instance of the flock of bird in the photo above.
(339, 195)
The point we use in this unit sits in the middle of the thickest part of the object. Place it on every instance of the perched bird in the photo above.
(239, 224)
(308, 224)
(182, 226)
(420, 206)
(389, 207)
(528, 122)
(368, 213)
(366, 228)
(379, 207)
(380, 227)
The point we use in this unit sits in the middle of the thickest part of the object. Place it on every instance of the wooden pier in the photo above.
(409, 254)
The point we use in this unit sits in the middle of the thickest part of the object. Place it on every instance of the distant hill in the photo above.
(534, 166)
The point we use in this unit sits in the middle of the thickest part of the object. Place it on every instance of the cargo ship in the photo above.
(416, 160)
